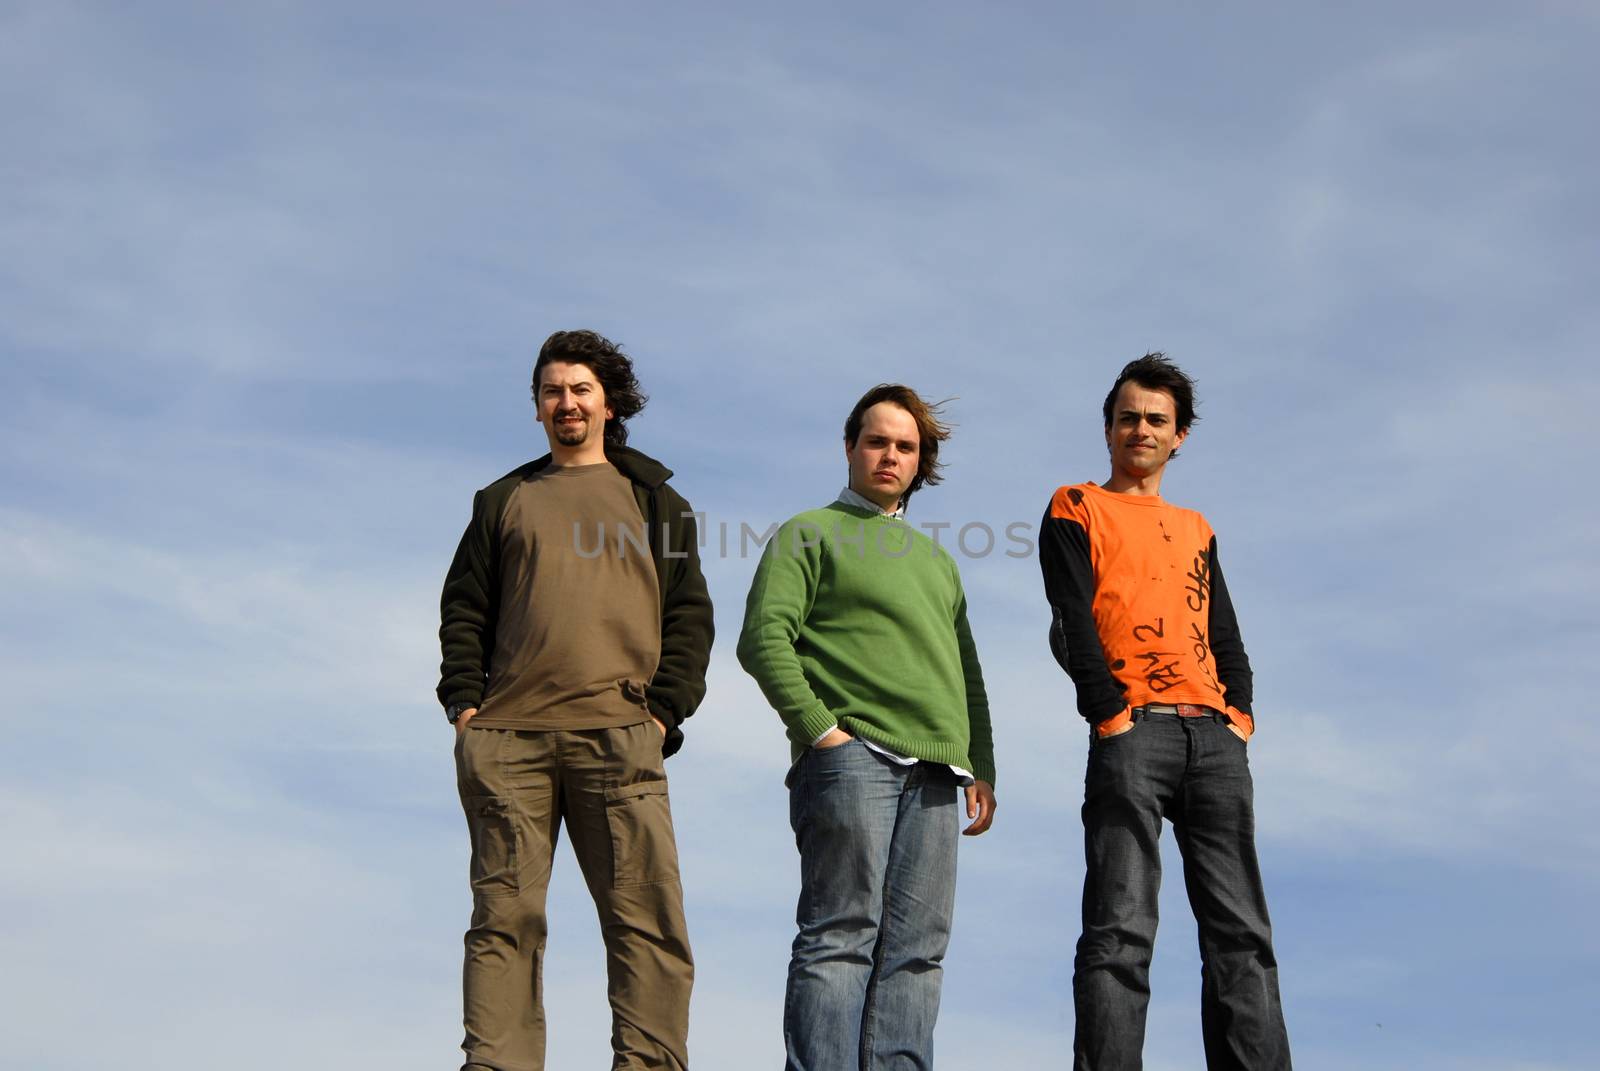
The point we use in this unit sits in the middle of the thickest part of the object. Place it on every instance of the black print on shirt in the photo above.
(1161, 675)
(1202, 655)
(1160, 668)
(1199, 586)
(1156, 631)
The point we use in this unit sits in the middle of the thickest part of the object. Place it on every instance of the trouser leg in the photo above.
(620, 822)
(509, 789)
(1241, 1014)
(1129, 780)
(843, 806)
(919, 895)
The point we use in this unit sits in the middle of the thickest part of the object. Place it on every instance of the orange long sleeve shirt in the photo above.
(1139, 609)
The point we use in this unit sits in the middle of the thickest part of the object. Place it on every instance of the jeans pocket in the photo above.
(813, 773)
(643, 849)
(494, 845)
(835, 751)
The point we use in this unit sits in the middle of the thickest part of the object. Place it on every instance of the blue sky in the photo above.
(271, 282)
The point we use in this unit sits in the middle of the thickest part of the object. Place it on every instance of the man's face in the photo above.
(1143, 432)
(885, 456)
(571, 404)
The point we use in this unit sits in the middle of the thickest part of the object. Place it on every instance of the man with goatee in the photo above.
(567, 675)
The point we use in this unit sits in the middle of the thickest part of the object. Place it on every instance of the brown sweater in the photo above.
(579, 630)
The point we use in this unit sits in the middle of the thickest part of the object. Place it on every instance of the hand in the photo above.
(1236, 731)
(660, 725)
(980, 808)
(461, 722)
(834, 739)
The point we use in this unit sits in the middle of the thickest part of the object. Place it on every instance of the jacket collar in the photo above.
(639, 467)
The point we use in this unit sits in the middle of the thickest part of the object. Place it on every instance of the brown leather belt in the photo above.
(1182, 710)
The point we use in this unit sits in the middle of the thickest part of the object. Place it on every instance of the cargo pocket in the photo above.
(643, 851)
(494, 845)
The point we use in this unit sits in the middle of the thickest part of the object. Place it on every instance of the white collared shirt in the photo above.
(850, 498)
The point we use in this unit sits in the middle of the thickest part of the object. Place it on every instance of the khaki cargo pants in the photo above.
(609, 787)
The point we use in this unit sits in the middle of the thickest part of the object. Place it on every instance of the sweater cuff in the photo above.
(662, 713)
(1244, 721)
(464, 698)
(983, 770)
(1115, 723)
(813, 724)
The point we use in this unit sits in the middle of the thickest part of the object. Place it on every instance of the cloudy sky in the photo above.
(272, 277)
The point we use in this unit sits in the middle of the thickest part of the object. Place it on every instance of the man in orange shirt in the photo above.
(1142, 622)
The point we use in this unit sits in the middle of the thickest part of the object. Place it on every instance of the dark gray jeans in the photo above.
(1195, 773)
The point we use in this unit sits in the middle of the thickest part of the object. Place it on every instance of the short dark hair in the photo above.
(930, 429)
(612, 367)
(1154, 371)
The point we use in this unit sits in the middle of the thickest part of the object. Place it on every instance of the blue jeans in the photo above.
(1195, 773)
(877, 847)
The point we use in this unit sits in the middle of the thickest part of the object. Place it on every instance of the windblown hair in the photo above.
(930, 429)
(612, 367)
(1154, 371)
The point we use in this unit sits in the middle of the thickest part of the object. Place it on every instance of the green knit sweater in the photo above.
(856, 618)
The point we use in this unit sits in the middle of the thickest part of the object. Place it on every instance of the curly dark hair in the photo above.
(1154, 371)
(930, 429)
(612, 367)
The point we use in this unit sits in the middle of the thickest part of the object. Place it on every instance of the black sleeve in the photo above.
(1227, 646)
(1074, 640)
(687, 628)
(468, 612)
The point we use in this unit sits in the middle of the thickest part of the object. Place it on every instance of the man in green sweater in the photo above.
(856, 630)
